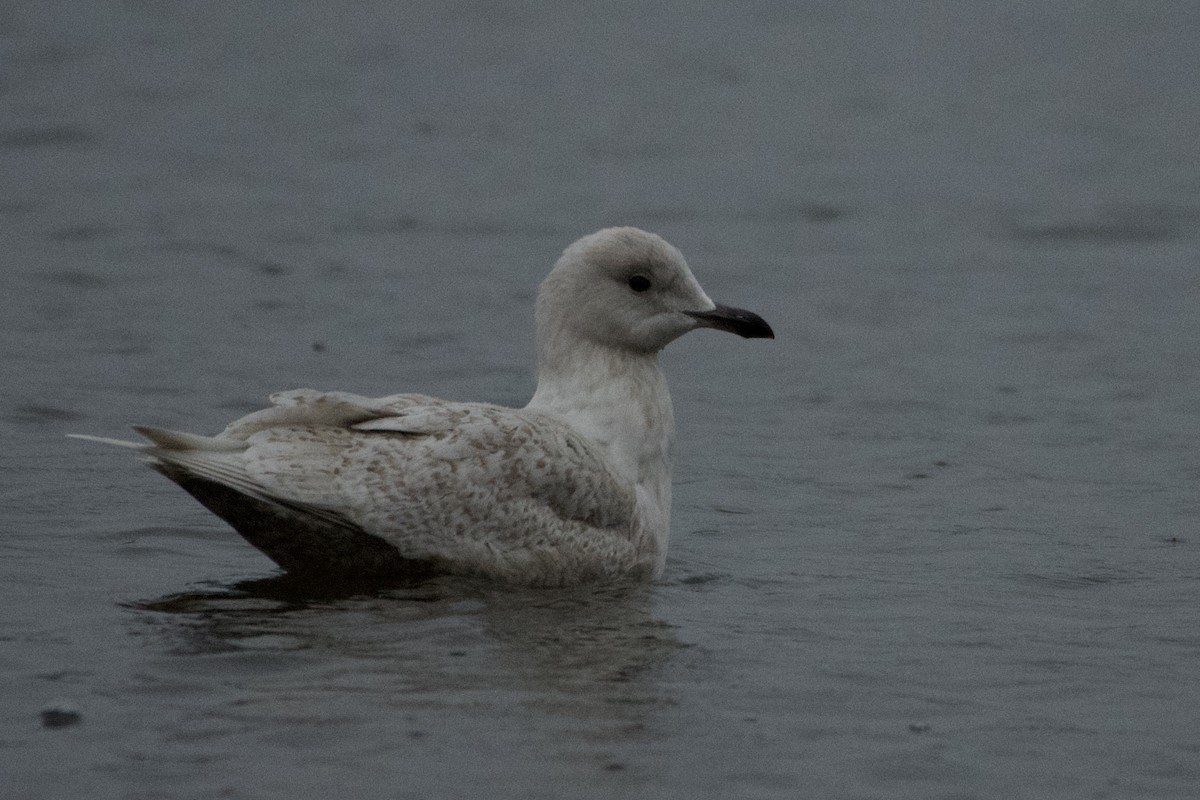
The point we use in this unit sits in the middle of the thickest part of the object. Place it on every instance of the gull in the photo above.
(575, 487)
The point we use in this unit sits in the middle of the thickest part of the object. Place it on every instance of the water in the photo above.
(936, 540)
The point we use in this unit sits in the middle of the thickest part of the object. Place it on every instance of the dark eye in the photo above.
(639, 283)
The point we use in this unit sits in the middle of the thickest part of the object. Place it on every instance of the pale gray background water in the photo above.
(938, 540)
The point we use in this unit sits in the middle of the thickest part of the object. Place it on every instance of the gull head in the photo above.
(628, 290)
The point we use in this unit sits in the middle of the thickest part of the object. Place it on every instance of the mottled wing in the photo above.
(494, 491)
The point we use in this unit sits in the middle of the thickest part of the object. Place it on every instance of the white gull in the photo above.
(574, 487)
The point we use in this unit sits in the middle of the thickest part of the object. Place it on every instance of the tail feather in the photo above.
(299, 536)
(178, 440)
(161, 439)
(209, 458)
(105, 440)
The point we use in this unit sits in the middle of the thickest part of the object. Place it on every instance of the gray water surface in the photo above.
(938, 540)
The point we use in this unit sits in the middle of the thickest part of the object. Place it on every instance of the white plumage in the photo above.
(574, 487)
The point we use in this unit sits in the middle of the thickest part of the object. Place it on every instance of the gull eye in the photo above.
(639, 283)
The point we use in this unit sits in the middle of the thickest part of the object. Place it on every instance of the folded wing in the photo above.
(428, 485)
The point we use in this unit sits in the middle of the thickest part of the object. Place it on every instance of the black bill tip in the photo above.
(744, 323)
